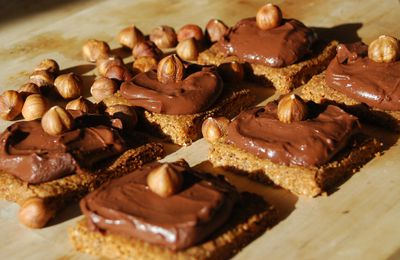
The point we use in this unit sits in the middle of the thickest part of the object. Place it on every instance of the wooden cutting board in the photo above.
(359, 220)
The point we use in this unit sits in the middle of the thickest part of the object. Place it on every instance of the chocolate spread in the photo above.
(376, 84)
(127, 207)
(194, 94)
(276, 47)
(312, 142)
(34, 156)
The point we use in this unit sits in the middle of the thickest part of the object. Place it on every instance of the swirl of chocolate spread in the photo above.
(376, 84)
(34, 156)
(194, 94)
(312, 142)
(127, 207)
(276, 47)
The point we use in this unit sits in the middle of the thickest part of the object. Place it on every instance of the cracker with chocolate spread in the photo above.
(205, 218)
(42, 172)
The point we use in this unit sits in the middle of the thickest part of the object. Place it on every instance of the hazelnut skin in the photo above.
(187, 50)
(34, 107)
(292, 108)
(164, 37)
(130, 36)
(170, 69)
(11, 103)
(104, 63)
(48, 65)
(92, 50)
(269, 16)
(28, 89)
(190, 31)
(231, 71)
(125, 113)
(216, 30)
(57, 121)
(35, 213)
(118, 72)
(68, 85)
(165, 180)
(81, 104)
(103, 87)
(146, 49)
(42, 78)
(214, 128)
(144, 64)
(384, 49)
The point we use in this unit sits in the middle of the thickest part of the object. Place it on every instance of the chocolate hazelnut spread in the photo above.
(194, 94)
(376, 84)
(312, 142)
(127, 207)
(34, 156)
(277, 47)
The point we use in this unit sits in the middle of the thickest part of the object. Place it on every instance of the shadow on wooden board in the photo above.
(343, 33)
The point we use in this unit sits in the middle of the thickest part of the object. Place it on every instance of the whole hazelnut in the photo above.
(11, 103)
(81, 104)
(170, 69)
(146, 49)
(42, 78)
(92, 50)
(125, 113)
(214, 128)
(28, 89)
(49, 65)
(190, 31)
(144, 64)
(68, 85)
(34, 107)
(165, 180)
(291, 108)
(231, 71)
(103, 87)
(56, 121)
(187, 50)
(104, 63)
(118, 72)
(384, 49)
(164, 37)
(269, 16)
(35, 213)
(216, 30)
(130, 36)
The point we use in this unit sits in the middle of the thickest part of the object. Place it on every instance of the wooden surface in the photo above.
(359, 220)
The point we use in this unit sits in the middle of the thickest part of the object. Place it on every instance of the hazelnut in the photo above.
(11, 103)
(34, 107)
(165, 180)
(118, 72)
(92, 50)
(130, 36)
(103, 87)
(231, 72)
(28, 89)
(190, 31)
(144, 64)
(42, 78)
(384, 49)
(49, 65)
(56, 121)
(291, 108)
(164, 37)
(214, 128)
(170, 69)
(125, 113)
(105, 62)
(187, 50)
(81, 104)
(216, 30)
(68, 85)
(146, 49)
(269, 16)
(35, 213)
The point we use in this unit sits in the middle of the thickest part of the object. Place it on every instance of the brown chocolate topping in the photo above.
(312, 142)
(34, 156)
(354, 74)
(127, 207)
(277, 47)
(194, 94)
